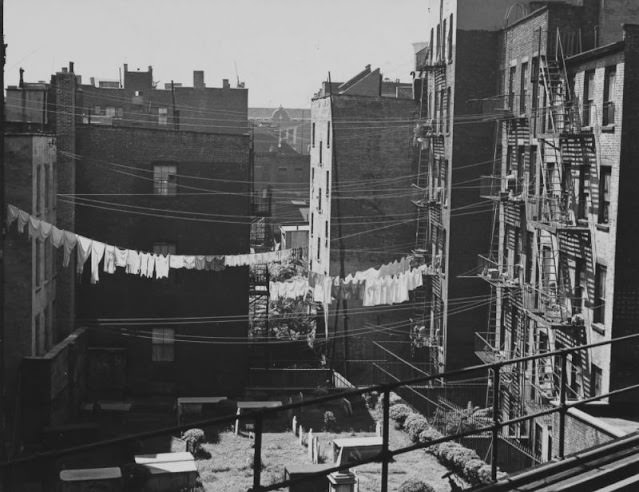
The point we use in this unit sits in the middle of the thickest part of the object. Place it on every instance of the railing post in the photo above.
(257, 456)
(496, 424)
(385, 423)
(562, 404)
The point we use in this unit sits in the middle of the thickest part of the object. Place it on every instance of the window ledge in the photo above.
(603, 227)
(599, 328)
(587, 128)
(608, 128)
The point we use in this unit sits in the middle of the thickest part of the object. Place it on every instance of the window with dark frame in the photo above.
(320, 152)
(450, 39)
(165, 179)
(608, 117)
(604, 195)
(313, 135)
(328, 135)
(328, 183)
(523, 90)
(163, 345)
(511, 87)
(596, 375)
(600, 294)
(589, 97)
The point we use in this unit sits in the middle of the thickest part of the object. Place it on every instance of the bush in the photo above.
(399, 413)
(414, 485)
(194, 439)
(329, 420)
(415, 426)
(429, 434)
(371, 399)
(471, 470)
(484, 474)
(461, 456)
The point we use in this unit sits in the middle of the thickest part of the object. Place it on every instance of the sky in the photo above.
(283, 49)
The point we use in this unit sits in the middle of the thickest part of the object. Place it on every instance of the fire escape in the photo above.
(430, 200)
(544, 200)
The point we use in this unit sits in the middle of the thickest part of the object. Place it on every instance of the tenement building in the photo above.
(361, 167)
(562, 266)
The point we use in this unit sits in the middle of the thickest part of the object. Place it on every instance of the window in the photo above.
(431, 45)
(312, 175)
(448, 110)
(511, 87)
(163, 345)
(319, 197)
(609, 94)
(320, 152)
(534, 79)
(164, 179)
(524, 88)
(318, 248)
(604, 195)
(109, 111)
(38, 191)
(600, 294)
(47, 189)
(443, 48)
(328, 183)
(328, 135)
(163, 116)
(312, 221)
(282, 169)
(326, 229)
(38, 263)
(595, 380)
(450, 39)
(439, 42)
(313, 135)
(589, 97)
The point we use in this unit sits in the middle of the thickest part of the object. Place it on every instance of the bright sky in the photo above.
(283, 49)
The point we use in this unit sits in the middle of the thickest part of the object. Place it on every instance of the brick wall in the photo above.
(215, 162)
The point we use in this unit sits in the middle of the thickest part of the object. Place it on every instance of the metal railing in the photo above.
(258, 417)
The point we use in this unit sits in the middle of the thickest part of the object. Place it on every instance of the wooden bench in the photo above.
(253, 405)
(352, 449)
(103, 479)
(170, 476)
(193, 404)
(318, 484)
(149, 459)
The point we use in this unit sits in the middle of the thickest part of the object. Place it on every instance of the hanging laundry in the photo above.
(144, 263)
(70, 240)
(109, 258)
(34, 227)
(200, 262)
(121, 257)
(97, 251)
(161, 266)
(83, 251)
(189, 262)
(57, 237)
(12, 214)
(150, 266)
(133, 262)
(176, 261)
(23, 220)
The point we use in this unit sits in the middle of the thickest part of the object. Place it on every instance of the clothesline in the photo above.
(389, 284)
(134, 262)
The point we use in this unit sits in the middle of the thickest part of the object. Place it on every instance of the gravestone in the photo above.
(301, 434)
(294, 425)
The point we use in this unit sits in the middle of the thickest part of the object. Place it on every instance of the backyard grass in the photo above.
(230, 465)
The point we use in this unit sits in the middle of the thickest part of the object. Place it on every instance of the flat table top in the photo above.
(200, 399)
(258, 404)
(90, 474)
(358, 441)
(171, 467)
(143, 459)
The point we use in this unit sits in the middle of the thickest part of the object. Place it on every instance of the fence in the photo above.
(259, 417)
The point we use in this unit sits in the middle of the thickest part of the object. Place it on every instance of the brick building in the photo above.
(194, 164)
(361, 163)
(561, 272)
(41, 350)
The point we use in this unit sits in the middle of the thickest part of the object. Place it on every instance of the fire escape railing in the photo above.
(560, 357)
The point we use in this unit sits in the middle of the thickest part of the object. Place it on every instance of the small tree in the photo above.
(329, 421)
(414, 485)
(399, 413)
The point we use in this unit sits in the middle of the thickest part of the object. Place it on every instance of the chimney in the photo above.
(126, 67)
(64, 70)
(198, 79)
(225, 84)
(93, 81)
(71, 67)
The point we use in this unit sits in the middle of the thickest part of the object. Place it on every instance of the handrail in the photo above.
(259, 415)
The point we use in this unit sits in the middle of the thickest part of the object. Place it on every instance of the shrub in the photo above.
(408, 421)
(416, 426)
(414, 485)
(399, 413)
(371, 399)
(429, 434)
(329, 420)
(194, 439)
(484, 474)
(461, 456)
(471, 470)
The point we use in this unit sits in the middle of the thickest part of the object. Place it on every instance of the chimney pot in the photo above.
(225, 84)
(93, 81)
(126, 67)
(64, 70)
(71, 66)
(198, 79)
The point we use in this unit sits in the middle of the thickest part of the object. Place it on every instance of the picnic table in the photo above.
(193, 404)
